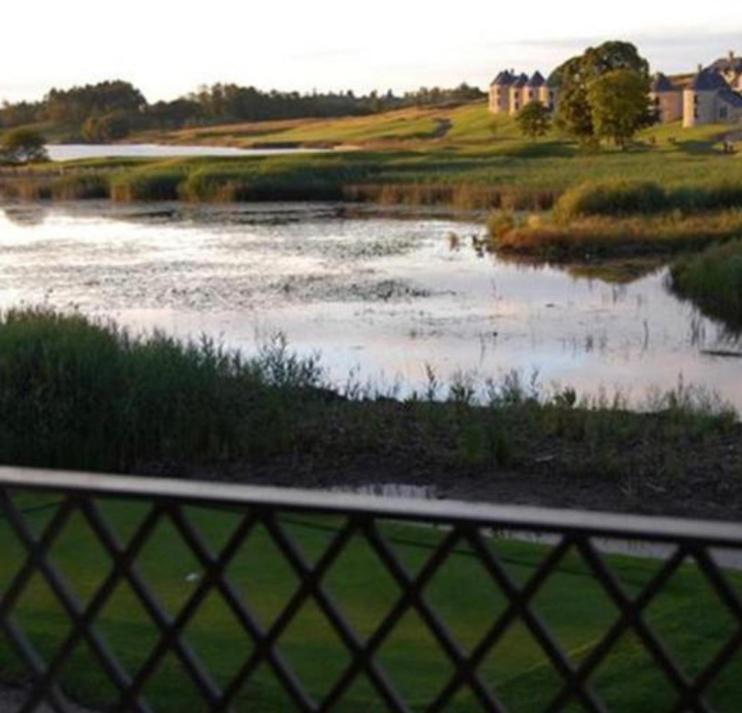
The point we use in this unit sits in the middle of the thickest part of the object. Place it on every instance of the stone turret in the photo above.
(666, 98)
(700, 99)
(500, 93)
(516, 93)
(509, 92)
(532, 90)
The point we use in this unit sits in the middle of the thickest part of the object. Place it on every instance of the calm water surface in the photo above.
(379, 296)
(75, 152)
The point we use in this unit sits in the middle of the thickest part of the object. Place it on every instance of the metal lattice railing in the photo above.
(492, 594)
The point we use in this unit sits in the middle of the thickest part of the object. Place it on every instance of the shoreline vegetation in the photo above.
(109, 401)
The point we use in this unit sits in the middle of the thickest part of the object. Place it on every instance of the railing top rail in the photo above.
(658, 529)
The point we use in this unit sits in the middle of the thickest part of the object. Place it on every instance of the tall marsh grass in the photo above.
(713, 281)
(624, 197)
(86, 394)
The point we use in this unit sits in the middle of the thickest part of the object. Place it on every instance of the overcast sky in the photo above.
(168, 48)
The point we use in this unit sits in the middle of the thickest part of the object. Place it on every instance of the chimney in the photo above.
(731, 57)
(700, 68)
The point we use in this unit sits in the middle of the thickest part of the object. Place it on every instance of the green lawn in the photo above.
(688, 615)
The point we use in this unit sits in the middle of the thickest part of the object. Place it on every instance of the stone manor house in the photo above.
(713, 96)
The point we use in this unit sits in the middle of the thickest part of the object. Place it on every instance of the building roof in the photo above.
(536, 81)
(728, 64)
(708, 80)
(503, 79)
(731, 97)
(521, 82)
(661, 83)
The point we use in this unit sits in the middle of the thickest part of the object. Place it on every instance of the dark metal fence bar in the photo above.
(362, 518)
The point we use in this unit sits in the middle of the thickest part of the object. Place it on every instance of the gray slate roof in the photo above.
(708, 80)
(521, 82)
(660, 83)
(732, 98)
(504, 79)
(536, 81)
(726, 64)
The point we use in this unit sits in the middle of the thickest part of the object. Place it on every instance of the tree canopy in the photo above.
(619, 101)
(573, 78)
(534, 120)
(22, 146)
(89, 110)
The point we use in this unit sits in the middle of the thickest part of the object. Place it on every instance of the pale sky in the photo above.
(169, 48)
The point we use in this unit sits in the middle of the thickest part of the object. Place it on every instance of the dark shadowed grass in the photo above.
(713, 280)
(85, 394)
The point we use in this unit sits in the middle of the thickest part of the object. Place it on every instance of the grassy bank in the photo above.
(455, 156)
(613, 237)
(688, 616)
(713, 280)
(622, 218)
(88, 395)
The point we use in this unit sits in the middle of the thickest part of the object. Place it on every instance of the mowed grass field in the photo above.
(688, 616)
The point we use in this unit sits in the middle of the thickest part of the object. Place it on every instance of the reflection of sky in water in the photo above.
(380, 295)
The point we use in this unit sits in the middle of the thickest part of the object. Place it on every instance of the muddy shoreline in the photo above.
(708, 485)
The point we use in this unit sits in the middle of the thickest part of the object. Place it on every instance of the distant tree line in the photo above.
(109, 110)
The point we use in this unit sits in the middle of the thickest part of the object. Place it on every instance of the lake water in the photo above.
(378, 296)
(75, 152)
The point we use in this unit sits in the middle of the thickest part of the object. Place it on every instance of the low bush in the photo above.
(622, 198)
(610, 198)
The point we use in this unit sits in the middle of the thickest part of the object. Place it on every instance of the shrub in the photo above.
(500, 223)
(23, 146)
(610, 198)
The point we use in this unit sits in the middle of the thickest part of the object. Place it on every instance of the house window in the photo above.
(530, 95)
(695, 100)
(723, 112)
(695, 113)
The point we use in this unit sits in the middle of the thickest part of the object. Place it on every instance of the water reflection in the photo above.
(25, 215)
(383, 296)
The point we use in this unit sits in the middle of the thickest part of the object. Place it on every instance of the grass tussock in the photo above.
(633, 197)
(713, 280)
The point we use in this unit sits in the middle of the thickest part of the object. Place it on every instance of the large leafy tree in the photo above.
(573, 78)
(22, 146)
(534, 120)
(619, 101)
